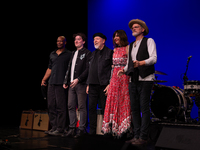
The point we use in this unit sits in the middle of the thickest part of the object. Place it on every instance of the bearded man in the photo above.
(98, 78)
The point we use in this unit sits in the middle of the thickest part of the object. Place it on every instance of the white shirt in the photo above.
(73, 65)
(150, 61)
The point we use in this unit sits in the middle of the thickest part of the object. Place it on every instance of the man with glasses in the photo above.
(140, 67)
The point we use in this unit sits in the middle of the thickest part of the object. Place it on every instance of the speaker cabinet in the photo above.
(184, 138)
(41, 121)
(27, 120)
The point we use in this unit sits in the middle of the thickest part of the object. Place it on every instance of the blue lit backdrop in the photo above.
(173, 24)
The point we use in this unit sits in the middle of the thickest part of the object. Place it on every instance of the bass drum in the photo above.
(169, 103)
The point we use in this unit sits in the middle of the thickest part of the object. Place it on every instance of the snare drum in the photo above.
(170, 103)
(192, 88)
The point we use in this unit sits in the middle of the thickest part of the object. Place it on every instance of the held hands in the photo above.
(135, 63)
(120, 73)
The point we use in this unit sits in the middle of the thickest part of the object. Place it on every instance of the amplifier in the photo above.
(41, 121)
(27, 119)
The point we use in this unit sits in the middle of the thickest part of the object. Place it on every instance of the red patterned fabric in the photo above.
(117, 115)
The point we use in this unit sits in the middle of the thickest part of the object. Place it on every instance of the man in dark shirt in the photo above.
(56, 95)
(98, 78)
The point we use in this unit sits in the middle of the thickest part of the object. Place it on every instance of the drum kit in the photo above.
(173, 104)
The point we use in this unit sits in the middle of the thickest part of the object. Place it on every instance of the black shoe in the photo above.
(70, 133)
(92, 132)
(108, 135)
(139, 142)
(80, 133)
(47, 132)
(55, 133)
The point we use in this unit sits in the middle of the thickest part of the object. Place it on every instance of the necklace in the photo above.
(136, 42)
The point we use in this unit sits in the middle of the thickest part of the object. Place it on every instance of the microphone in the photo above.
(190, 57)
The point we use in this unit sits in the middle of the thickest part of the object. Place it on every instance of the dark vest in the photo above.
(142, 54)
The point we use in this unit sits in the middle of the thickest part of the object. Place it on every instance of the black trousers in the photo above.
(96, 92)
(140, 98)
(57, 105)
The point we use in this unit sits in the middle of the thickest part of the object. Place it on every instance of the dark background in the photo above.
(33, 31)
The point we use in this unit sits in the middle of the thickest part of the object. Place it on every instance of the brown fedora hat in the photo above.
(140, 22)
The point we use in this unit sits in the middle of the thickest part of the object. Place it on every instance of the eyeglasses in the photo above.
(136, 27)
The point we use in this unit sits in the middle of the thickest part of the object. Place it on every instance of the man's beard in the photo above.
(135, 34)
(96, 46)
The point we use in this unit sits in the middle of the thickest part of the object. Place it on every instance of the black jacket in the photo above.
(81, 66)
(104, 65)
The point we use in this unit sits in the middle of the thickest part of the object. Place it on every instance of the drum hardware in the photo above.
(192, 88)
(169, 104)
(159, 72)
(156, 77)
(159, 81)
(185, 78)
(197, 102)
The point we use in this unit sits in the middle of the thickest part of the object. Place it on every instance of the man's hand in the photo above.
(65, 86)
(74, 83)
(43, 83)
(106, 90)
(120, 73)
(138, 63)
(87, 89)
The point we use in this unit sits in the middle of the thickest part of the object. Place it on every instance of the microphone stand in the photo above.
(185, 78)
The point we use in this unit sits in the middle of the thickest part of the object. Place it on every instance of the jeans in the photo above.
(96, 92)
(74, 94)
(140, 98)
(56, 99)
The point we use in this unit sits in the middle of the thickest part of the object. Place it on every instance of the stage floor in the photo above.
(21, 139)
(162, 136)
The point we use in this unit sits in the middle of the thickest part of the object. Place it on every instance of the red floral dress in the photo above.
(117, 115)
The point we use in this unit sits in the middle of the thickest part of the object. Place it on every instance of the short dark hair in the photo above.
(123, 38)
(82, 35)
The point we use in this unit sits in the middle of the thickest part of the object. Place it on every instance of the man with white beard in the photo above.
(140, 67)
(98, 78)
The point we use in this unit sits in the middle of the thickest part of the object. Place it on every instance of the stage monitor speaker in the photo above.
(184, 138)
(41, 121)
(27, 119)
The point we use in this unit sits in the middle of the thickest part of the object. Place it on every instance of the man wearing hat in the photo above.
(98, 78)
(140, 67)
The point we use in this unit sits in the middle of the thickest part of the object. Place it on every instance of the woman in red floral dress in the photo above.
(117, 114)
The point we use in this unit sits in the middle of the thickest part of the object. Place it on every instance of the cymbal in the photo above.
(159, 72)
(159, 81)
